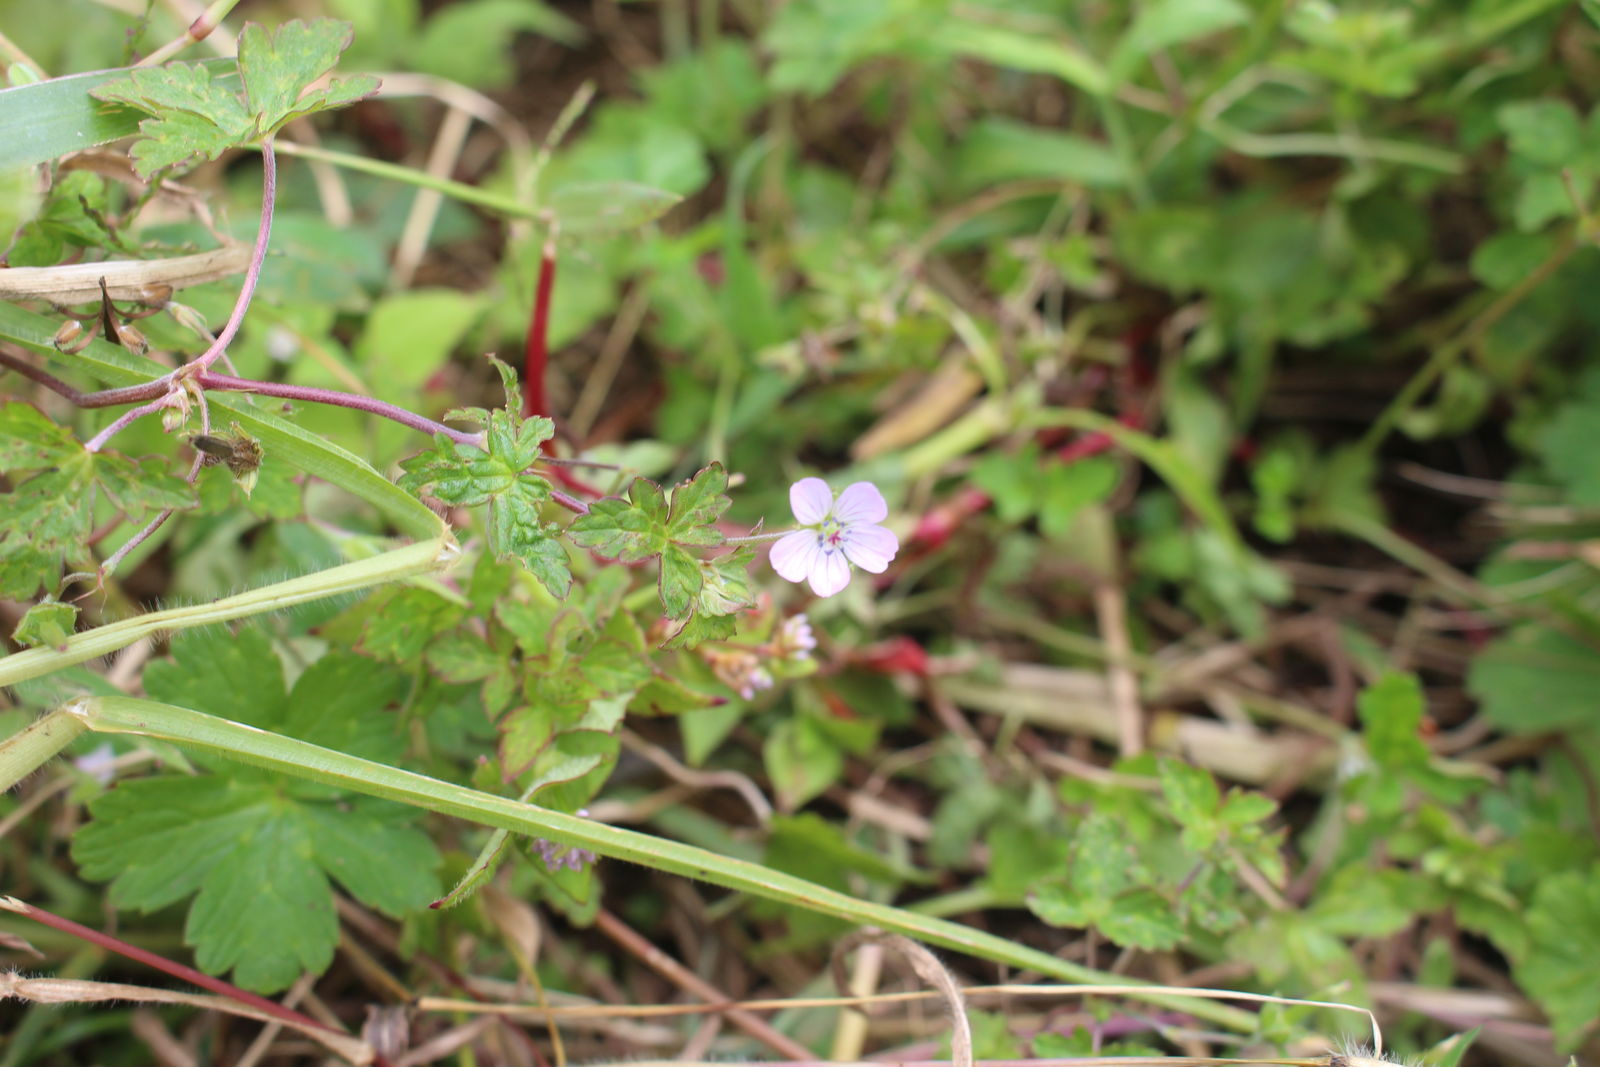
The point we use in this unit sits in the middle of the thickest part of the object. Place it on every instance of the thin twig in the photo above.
(177, 970)
(198, 30)
(676, 973)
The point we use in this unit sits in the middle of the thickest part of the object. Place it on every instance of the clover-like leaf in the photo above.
(256, 850)
(467, 475)
(195, 115)
(647, 525)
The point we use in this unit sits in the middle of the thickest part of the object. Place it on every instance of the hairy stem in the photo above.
(146, 718)
(198, 30)
(121, 422)
(224, 383)
(420, 558)
(405, 417)
(29, 749)
(104, 398)
(252, 274)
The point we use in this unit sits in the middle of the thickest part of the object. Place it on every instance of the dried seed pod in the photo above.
(72, 338)
(133, 340)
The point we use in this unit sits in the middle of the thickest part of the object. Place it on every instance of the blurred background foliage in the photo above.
(1325, 270)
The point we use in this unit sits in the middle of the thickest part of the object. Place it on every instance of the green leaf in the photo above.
(1391, 713)
(995, 150)
(29, 440)
(1508, 257)
(288, 927)
(628, 530)
(815, 42)
(680, 581)
(401, 623)
(1568, 444)
(408, 336)
(259, 849)
(1012, 480)
(1165, 23)
(278, 70)
(471, 42)
(48, 515)
(1193, 797)
(1142, 919)
(49, 119)
(1060, 905)
(341, 702)
(696, 505)
(1545, 131)
(1245, 809)
(231, 675)
(48, 622)
(801, 760)
(1559, 970)
(467, 475)
(1535, 679)
(1022, 50)
(196, 116)
(1067, 488)
(647, 525)
(1361, 902)
(1102, 858)
(598, 208)
(259, 857)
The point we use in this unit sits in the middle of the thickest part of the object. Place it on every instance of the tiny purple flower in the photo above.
(834, 534)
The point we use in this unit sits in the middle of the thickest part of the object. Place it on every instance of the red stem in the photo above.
(166, 966)
(536, 348)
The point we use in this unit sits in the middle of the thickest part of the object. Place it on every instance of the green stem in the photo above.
(146, 718)
(1445, 356)
(392, 566)
(27, 750)
(411, 176)
(999, 415)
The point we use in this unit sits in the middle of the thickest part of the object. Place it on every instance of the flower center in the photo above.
(830, 535)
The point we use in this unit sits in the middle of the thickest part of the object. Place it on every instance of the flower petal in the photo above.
(870, 547)
(794, 555)
(860, 502)
(810, 499)
(829, 573)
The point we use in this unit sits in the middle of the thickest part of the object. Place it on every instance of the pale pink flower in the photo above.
(795, 639)
(835, 533)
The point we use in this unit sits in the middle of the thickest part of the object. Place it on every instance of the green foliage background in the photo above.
(1331, 265)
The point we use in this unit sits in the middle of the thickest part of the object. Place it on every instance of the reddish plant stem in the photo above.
(105, 398)
(224, 383)
(570, 503)
(536, 347)
(252, 274)
(536, 359)
(98, 441)
(310, 394)
(166, 966)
